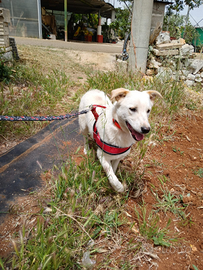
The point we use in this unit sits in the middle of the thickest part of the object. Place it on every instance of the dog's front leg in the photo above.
(115, 164)
(106, 164)
(86, 145)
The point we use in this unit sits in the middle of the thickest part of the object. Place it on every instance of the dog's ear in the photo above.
(152, 94)
(119, 93)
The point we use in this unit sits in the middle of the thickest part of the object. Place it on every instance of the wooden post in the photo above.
(65, 20)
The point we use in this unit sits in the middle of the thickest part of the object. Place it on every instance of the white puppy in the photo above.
(116, 126)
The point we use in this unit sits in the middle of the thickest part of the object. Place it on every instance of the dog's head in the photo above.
(132, 109)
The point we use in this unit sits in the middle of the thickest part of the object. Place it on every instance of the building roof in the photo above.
(80, 6)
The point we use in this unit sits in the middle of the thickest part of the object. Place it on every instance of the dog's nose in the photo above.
(145, 130)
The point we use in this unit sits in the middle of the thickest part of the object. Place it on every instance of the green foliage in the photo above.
(122, 24)
(90, 19)
(170, 202)
(176, 25)
(179, 4)
(5, 72)
(149, 227)
(173, 24)
(2, 264)
(112, 80)
(199, 172)
(189, 33)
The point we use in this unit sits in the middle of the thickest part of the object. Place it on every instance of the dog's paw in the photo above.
(119, 188)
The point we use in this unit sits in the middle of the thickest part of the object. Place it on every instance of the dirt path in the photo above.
(76, 46)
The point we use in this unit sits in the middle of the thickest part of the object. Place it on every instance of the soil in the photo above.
(179, 157)
(174, 164)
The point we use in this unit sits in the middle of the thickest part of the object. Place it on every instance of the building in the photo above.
(27, 15)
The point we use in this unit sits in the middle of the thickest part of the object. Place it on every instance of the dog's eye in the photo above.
(148, 111)
(133, 109)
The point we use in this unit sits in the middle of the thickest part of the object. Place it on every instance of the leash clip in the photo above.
(91, 107)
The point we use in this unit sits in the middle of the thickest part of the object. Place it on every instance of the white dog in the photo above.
(115, 127)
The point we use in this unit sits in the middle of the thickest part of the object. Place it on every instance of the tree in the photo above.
(177, 27)
(122, 23)
(179, 5)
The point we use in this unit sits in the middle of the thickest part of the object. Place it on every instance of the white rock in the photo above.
(154, 64)
(185, 72)
(155, 51)
(182, 78)
(198, 78)
(150, 72)
(191, 77)
(186, 49)
(164, 72)
(201, 74)
(175, 77)
(196, 65)
(189, 83)
(181, 41)
(163, 37)
(171, 63)
(174, 41)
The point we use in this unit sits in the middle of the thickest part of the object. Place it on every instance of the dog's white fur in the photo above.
(131, 106)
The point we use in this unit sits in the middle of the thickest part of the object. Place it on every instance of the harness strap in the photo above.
(107, 148)
(93, 109)
(116, 124)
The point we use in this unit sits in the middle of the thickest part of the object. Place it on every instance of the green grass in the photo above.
(172, 92)
(5, 72)
(150, 228)
(31, 93)
(170, 202)
(199, 172)
(83, 208)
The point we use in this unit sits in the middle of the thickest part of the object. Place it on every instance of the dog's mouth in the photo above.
(136, 135)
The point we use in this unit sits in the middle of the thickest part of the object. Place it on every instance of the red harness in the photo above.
(107, 148)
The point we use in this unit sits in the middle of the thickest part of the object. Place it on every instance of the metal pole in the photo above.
(65, 20)
(12, 13)
(39, 18)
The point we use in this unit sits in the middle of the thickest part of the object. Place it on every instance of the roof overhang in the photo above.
(80, 6)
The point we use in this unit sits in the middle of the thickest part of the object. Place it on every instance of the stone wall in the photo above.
(175, 59)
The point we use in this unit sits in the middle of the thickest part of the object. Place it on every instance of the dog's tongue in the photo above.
(136, 135)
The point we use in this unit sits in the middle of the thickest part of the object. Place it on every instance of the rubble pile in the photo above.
(175, 59)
